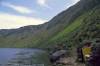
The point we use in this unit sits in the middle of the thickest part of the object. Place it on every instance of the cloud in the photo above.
(70, 3)
(75, 1)
(20, 9)
(43, 3)
(12, 21)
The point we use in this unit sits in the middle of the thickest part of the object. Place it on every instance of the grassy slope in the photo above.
(46, 38)
(65, 34)
(76, 26)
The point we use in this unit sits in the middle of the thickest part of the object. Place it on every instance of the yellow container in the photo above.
(86, 52)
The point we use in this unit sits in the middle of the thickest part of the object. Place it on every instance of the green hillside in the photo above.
(67, 27)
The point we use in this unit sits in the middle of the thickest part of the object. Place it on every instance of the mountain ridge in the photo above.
(43, 35)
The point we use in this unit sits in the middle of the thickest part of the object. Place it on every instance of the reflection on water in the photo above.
(19, 57)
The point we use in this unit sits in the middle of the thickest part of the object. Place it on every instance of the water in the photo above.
(17, 55)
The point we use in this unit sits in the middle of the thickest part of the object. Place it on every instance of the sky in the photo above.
(18, 13)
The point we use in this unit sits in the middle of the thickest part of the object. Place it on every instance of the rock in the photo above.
(66, 61)
(59, 53)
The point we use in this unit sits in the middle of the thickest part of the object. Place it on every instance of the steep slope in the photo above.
(58, 30)
(74, 26)
(85, 27)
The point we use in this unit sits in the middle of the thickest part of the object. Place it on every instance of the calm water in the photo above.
(13, 55)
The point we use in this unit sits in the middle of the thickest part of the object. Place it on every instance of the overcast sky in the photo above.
(17, 13)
